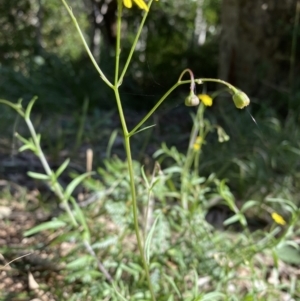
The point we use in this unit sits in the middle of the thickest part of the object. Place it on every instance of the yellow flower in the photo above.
(140, 3)
(206, 99)
(197, 144)
(278, 219)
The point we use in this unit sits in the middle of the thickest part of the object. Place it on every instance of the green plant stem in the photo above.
(49, 172)
(86, 45)
(118, 44)
(133, 192)
(134, 44)
(203, 80)
(179, 83)
(127, 140)
(198, 119)
(157, 105)
(135, 216)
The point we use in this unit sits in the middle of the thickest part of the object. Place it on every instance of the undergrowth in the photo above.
(138, 233)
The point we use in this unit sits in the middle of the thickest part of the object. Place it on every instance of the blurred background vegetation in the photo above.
(251, 44)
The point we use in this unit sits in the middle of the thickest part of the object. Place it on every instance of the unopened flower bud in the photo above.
(192, 100)
(240, 99)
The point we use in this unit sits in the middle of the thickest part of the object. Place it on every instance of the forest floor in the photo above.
(30, 267)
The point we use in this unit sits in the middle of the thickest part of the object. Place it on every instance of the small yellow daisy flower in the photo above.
(206, 99)
(278, 219)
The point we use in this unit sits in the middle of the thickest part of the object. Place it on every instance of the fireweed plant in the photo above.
(198, 133)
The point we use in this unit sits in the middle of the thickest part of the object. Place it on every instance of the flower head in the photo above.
(192, 100)
(278, 219)
(197, 144)
(140, 3)
(206, 99)
(240, 99)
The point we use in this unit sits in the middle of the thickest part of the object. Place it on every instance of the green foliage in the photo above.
(143, 235)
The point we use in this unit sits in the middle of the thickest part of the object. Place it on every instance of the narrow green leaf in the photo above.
(232, 220)
(61, 169)
(213, 296)
(74, 183)
(122, 298)
(144, 177)
(81, 218)
(22, 139)
(154, 182)
(17, 107)
(54, 224)
(29, 107)
(38, 176)
(288, 254)
(38, 138)
(173, 169)
(248, 205)
(143, 129)
(111, 141)
(26, 147)
(173, 284)
(80, 262)
(149, 239)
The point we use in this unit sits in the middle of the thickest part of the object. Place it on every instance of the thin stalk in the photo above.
(180, 82)
(203, 80)
(118, 43)
(58, 191)
(157, 105)
(201, 133)
(134, 44)
(49, 172)
(135, 215)
(86, 45)
(127, 145)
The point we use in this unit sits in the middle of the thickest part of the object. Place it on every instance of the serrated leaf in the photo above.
(39, 176)
(54, 224)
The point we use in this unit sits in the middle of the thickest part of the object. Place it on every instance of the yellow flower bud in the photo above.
(240, 99)
(192, 100)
